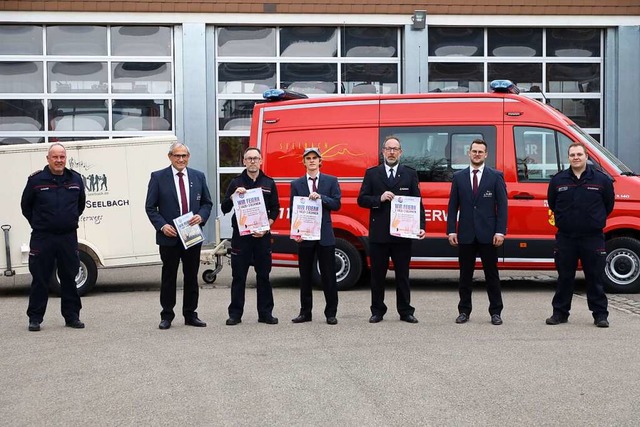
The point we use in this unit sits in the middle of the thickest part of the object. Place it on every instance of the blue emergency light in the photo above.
(504, 86)
(282, 95)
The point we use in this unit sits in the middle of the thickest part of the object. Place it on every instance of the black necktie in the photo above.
(391, 175)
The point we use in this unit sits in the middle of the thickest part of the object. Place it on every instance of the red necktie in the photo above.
(475, 182)
(183, 194)
(313, 184)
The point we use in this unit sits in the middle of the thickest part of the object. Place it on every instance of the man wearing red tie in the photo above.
(480, 195)
(172, 192)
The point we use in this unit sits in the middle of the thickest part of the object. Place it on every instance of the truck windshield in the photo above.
(606, 154)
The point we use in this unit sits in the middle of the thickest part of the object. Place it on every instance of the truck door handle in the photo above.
(523, 196)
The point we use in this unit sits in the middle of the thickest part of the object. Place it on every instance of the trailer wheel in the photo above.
(208, 276)
(85, 279)
(622, 271)
(348, 266)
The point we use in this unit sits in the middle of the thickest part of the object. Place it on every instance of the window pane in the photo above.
(224, 181)
(515, 41)
(454, 41)
(11, 140)
(573, 77)
(246, 77)
(141, 77)
(76, 40)
(235, 114)
(232, 149)
(21, 115)
(77, 77)
(141, 41)
(309, 78)
(370, 78)
(20, 77)
(456, 77)
(573, 42)
(370, 42)
(20, 40)
(246, 41)
(78, 115)
(528, 77)
(308, 41)
(537, 151)
(584, 112)
(144, 114)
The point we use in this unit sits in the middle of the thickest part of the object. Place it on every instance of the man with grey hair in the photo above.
(52, 201)
(173, 192)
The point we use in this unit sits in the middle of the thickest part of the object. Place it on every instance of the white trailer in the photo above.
(114, 230)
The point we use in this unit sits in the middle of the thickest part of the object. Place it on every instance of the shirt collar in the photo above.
(480, 169)
(175, 171)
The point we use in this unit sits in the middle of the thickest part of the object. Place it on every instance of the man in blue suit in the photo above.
(479, 194)
(326, 188)
(172, 192)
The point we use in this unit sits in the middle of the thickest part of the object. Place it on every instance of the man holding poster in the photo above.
(380, 187)
(253, 247)
(313, 197)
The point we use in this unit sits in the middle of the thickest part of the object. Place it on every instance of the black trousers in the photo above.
(400, 254)
(591, 252)
(247, 250)
(171, 257)
(307, 251)
(467, 259)
(46, 251)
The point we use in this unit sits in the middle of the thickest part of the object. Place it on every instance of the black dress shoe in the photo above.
(164, 324)
(231, 321)
(268, 320)
(75, 324)
(601, 322)
(34, 326)
(301, 319)
(496, 319)
(409, 318)
(556, 320)
(375, 318)
(194, 321)
(462, 318)
(332, 321)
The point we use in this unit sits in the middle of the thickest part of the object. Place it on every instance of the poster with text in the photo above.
(251, 212)
(306, 218)
(405, 217)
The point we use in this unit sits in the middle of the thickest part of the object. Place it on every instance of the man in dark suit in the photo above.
(479, 194)
(326, 188)
(172, 192)
(380, 185)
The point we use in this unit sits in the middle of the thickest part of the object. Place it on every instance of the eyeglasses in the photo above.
(180, 156)
(392, 149)
(253, 159)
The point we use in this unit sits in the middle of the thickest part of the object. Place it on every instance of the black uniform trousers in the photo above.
(400, 254)
(592, 254)
(247, 250)
(171, 257)
(467, 260)
(307, 251)
(48, 250)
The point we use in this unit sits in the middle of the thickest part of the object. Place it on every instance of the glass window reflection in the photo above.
(456, 77)
(514, 41)
(246, 41)
(310, 78)
(78, 115)
(370, 42)
(584, 112)
(309, 41)
(231, 150)
(77, 77)
(21, 77)
(370, 78)
(148, 40)
(20, 40)
(246, 77)
(573, 77)
(21, 115)
(456, 41)
(141, 77)
(234, 114)
(76, 40)
(142, 115)
(573, 42)
(528, 77)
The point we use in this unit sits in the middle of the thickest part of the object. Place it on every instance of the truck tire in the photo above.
(348, 266)
(208, 276)
(85, 279)
(622, 270)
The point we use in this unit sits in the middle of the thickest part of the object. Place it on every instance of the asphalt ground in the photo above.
(122, 370)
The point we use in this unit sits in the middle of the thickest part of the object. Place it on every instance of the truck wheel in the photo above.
(208, 276)
(348, 266)
(622, 271)
(85, 279)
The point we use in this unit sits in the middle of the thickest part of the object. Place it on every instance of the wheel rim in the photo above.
(82, 275)
(623, 267)
(343, 265)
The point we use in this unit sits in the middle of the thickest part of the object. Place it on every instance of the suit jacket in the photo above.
(482, 216)
(162, 203)
(375, 183)
(330, 194)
